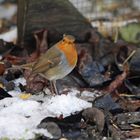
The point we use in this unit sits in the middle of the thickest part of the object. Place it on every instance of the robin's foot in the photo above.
(53, 87)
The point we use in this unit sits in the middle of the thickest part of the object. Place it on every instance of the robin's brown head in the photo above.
(68, 38)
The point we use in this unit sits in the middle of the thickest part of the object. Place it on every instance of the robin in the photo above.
(57, 62)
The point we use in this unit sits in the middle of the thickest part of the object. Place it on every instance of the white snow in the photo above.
(9, 36)
(19, 118)
(7, 11)
(65, 105)
(16, 92)
(20, 80)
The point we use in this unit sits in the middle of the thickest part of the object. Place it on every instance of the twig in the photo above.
(131, 54)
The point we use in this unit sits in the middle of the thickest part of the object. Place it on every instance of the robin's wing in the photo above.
(26, 66)
(43, 66)
(48, 60)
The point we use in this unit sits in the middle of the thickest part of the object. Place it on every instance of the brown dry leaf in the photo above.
(125, 103)
(35, 83)
(116, 133)
(118, 81)
(41, 45)
(2, 69)
(14, 59)
(133, 105)
(133, 134)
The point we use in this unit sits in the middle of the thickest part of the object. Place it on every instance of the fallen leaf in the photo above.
(41, 45)
(25, 96)
(2, 69)
(133, 134)
(118, 81)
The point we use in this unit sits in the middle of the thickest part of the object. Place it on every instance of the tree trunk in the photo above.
(57, 16)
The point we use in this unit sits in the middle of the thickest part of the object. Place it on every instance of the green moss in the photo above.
(131, 32)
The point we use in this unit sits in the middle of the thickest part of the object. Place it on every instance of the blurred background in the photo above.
(106, 15)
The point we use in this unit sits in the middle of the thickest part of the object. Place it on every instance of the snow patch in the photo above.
(19, 118)
(20, 80)
(9, 36)
(65, 105)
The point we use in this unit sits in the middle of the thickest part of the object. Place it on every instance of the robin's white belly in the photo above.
(60, 70)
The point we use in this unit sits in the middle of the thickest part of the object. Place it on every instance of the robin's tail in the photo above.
(27, 66)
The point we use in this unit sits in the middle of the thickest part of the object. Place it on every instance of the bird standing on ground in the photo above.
(57, 62)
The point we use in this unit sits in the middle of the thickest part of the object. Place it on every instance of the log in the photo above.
(57, 16)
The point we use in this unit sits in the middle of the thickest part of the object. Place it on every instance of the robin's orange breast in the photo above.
(69, 50)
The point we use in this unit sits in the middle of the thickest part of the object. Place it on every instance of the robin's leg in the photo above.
(54, 89)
